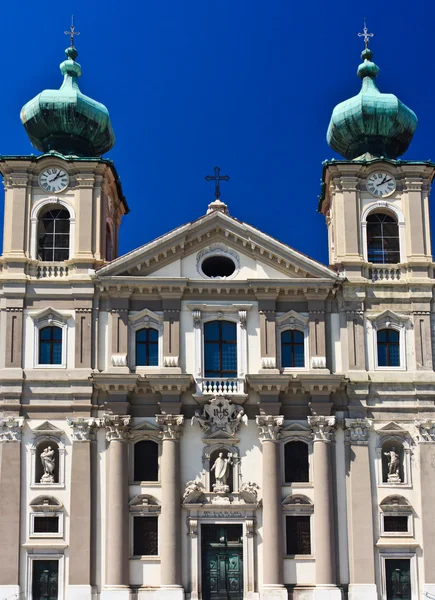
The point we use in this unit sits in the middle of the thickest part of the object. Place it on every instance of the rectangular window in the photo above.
(45, 576)
(46, 525)
(398, 576)
(145, 536)
(396, 523)
(298, 535)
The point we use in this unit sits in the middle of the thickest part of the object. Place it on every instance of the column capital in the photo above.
(426, 430)
(269, 427)
(117, 427)
(10, 429)
(357, 431)
(322, 428)
(83, 429)
(171, 426)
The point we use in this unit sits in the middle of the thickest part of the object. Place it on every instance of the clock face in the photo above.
(53, 179)
(381, 184)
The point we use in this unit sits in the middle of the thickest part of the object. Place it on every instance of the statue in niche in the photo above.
(393, 465)
(48, 464)
(221, 468)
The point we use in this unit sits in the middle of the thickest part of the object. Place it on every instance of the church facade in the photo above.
(215, 415)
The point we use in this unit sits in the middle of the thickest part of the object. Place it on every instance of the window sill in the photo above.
(49, 366)
(146, 483)
(396, 534)
(299, 556)
(299, 484)
(145, 557)
(47, 486)
(46, 536)
(394, 485)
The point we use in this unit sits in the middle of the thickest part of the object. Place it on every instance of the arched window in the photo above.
(147, 347)
(292, 349)
(220, 349)
(109, 243)
(388, 348)
(382, 239)
(296, 462)
(53, 235)
(146, 461)
(50, 346)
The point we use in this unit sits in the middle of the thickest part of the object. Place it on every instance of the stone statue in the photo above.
(48, 464)
(393, 466)
(221, 470)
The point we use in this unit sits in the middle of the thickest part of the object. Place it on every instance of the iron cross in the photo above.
(72, 31)
(366, 35)
(217, 178)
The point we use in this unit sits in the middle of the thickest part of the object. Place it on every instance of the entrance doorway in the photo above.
(222, 562)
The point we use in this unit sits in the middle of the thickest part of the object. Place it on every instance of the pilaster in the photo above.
(80, 545)
(10, 499)
(83, 338)
(360, 519)
(269, 431)
(14, 334)
(171, 429)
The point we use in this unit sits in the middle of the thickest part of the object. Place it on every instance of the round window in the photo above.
(218, 266)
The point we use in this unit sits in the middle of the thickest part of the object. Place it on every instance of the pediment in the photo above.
(392, 427)
(145, 427)
(173, 254)
(47, 428)
(48, 314)
(296, 428)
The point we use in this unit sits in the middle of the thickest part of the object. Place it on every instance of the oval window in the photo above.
(218, 266)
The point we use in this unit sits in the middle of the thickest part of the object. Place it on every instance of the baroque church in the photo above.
(214, 415)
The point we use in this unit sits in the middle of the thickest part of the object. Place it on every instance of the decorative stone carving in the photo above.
(322, 428)
(119, 360)
(193, 490)
(193, 527)
(48, 464)
(196, 314)
(10, 429)
(357, 430)
(221, 467)
(216, 249)
(220, 414)
(268, 362)
(82, 429)
(269, 427)
(393, 465)
(318, 362)
(242, 318)
(250, 527)
(251, 488)
(426, 430)
(170, 361)
(171, 426)
(117, 427)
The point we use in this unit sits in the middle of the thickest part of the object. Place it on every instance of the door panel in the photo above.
(222, 563)
(45, 580)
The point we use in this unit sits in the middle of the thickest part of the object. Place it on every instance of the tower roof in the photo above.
(66, 120)
(371, 122)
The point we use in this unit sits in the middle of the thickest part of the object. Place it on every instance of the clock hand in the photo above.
(54, 178)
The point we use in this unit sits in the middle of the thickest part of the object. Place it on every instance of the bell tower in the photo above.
(375, 204)
(63, 208)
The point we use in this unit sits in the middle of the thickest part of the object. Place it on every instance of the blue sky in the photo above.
(249, 86)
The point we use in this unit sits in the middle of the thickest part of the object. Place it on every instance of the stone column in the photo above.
(170, 518)
(10, 500)
(426, 448)
(117, 538)
(324, 531)
(80, 545)
(273, 546)
(360, 519)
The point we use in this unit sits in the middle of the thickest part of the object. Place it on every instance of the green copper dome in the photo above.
(66, 120)
(371, 121)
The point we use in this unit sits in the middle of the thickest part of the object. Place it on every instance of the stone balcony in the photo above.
(220, 386)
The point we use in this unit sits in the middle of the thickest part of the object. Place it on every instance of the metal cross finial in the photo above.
(72, 31)
(217, 178)
(366, 35)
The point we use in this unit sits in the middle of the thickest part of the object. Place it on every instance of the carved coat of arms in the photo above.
(220, 414)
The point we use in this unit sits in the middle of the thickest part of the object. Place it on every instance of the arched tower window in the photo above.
(382, 239)
(53, 235)
(50, 346)
(292, 349)
(220, 349)
(147, 347)
(388, 341)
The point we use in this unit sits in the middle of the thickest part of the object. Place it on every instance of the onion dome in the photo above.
(66, 120)
(372, 122)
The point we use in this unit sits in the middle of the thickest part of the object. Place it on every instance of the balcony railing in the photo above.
(51, 270)
(220, 386)
(385, 273)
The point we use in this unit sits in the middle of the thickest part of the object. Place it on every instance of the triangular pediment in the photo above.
(175, 253)
(296, 428)
(392, 427)
(47, 428)
(146, 427)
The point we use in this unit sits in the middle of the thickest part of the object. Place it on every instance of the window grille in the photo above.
(145, 536)
(298, 535)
